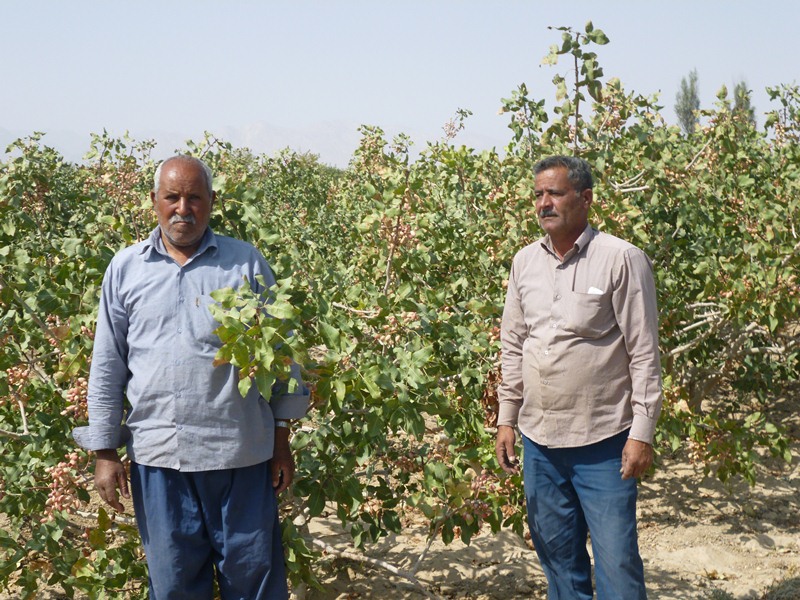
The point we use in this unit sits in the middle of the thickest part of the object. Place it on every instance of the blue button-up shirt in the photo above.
(155, 345)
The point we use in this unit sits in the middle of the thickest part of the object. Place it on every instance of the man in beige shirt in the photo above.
(581, 381)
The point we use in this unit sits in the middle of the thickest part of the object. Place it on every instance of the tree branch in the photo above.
(370, 312)
(11, 434)
(698, 155)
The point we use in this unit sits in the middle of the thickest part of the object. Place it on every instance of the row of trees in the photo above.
(687, 102)
(391, 274)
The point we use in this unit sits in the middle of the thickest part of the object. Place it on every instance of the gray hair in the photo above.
(579, 172)
(190, 159)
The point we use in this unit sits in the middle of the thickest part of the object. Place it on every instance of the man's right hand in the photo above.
(109, 475)
(504, 448)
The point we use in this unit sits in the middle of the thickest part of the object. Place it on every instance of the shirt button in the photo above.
(180, 330)
(179, 427)
(545, 382)
(181, 299)
(553, 325)
(558, 296)
(546, 352)
(177, 394)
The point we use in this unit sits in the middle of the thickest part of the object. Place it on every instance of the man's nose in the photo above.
(544, 201)
(183, 207)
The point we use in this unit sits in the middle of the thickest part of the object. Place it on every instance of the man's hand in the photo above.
(109, 474)
(282, 461)
(636, 458)
(504, 448)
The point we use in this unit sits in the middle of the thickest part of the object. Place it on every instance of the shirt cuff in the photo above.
(290, 406)
(90, 439)
(508, 414)
(643, 429)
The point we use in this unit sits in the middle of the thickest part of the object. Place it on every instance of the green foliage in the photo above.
(390, 290)
(687, 103)
(742, 105)
(256, 335)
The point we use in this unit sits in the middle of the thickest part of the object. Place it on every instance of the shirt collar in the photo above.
(154, 243)
(580, 244)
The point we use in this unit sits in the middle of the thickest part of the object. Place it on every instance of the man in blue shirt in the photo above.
(206, 463)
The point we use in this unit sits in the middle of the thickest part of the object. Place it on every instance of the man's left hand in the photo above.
(282, 461)
(636, 458)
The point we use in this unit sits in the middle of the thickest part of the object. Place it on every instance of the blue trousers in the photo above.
(193, 524)
(573, 491)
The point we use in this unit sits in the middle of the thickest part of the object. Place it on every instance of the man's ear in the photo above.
(153, 198)
(587, 197)
(213, 198)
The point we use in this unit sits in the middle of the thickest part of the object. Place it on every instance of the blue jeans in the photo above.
(193, 524)
(573, 491)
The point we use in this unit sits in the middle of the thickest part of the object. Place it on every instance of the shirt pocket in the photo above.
(589, 315)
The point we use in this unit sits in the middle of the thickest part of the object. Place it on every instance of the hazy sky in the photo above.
(305, 74)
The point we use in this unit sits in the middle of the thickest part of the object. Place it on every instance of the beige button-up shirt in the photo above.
(580, 343)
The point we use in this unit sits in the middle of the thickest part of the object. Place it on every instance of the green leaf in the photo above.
(245, 383)
(103, 520)
(340, 389)
(330, 335)
(264, 382)
(448, 534)
(316, 501)
(224, 295)
(281, 310)
(598, 37)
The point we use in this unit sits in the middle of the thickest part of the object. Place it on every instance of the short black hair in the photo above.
(579, 172)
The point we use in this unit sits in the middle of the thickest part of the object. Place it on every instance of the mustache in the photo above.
(179, 219)
(548, 212)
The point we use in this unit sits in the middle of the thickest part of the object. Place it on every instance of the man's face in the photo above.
(563, 212)
(183, 204)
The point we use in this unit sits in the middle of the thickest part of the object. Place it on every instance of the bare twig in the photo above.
(606, 119)
(628, 183)
(629, 190)
(698, 155)
(423, 554)
(24, 415)
(704, 305)
(125, 520)
(691, 344)
(768, 350)
(10, 434)
(709, 318)
(370, 312)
